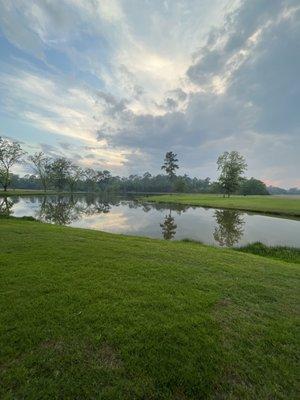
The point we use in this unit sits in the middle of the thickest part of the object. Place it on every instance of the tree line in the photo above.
(61, 174)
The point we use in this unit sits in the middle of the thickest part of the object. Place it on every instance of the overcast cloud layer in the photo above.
(114, 84)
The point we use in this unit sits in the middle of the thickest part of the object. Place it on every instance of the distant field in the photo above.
(281, 205)
(28, 192)
(91, 315)
(24, 192)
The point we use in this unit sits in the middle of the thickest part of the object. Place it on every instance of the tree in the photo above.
(74, 175)
(91, 177)
(10, 154)
(232, 165)
(103, 178)
(59, 170)
(180, 184)
(42, 167)
(170, 164)
(253, 186)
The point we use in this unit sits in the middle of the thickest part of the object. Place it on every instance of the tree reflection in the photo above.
(59, 210)
(6, 206)
(179, 208)
(63, 210)
(168, 227)
(230, 227)
(97, 207)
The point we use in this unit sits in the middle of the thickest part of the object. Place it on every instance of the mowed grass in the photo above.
(288, 206)
(30, 192)
(90, 315)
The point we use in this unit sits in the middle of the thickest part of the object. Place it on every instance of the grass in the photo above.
(91, 315)
(29, 192)
(264, 204)
(285, 253)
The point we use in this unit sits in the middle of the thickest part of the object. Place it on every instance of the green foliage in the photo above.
(88, 315)
(253, 186)
(42, 168)
(179, 185)
(10, 154)
(277, 190)
(74, 175)
(285, 253)
(231, 166)
(91, 177)
(59, 172)
(170, 164)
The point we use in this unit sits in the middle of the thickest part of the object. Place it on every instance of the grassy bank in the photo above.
(285, 253)
(264, 204)
(27, 192)
(92, 315)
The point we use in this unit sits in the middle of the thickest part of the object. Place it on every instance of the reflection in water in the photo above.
(129, 216)
(6, 206)
(63, 210)
(60, 211)
(230, 227)
(168, 227)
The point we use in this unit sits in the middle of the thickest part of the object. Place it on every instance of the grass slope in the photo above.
(90, 315)
(265, 204)
(285, 253)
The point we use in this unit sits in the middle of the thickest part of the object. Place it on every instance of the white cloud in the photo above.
(195, 76)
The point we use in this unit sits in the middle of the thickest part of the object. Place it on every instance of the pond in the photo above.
(132, 217)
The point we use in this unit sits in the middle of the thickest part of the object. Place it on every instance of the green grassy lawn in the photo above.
(265, 204)
(29, 192)
(91, 315)
(25, 192)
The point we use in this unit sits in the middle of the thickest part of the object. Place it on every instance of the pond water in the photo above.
(131, 217)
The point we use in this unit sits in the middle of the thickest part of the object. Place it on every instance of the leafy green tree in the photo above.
(91, 178)
(253, 186)
(42, 168)
(74, 175)
(232, 165)
(103, 179)
(170, 164)
(180, 184)
(59, 170)
(10, 154)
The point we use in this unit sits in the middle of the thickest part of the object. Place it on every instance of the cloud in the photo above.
(51, 105)
(245, 95)
(127, 81)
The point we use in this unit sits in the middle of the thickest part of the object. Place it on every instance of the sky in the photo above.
(114, 84)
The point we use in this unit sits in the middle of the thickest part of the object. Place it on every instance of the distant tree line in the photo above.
(60, 174)
(278, 190)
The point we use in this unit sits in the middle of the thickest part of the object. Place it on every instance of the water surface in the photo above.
(131, 217)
